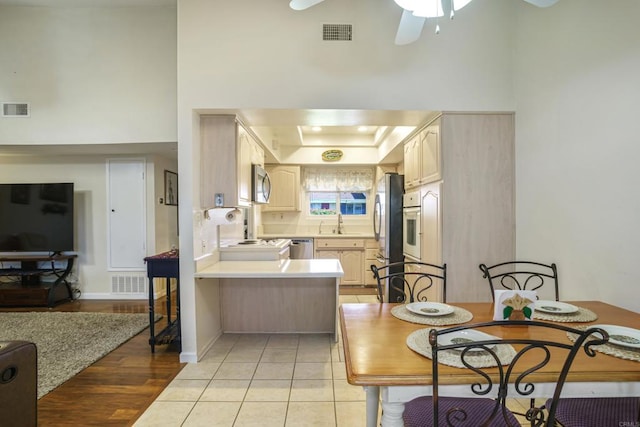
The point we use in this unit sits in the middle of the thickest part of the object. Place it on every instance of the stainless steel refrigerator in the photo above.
(387, 226)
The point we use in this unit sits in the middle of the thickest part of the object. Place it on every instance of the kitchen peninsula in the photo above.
(281, 296)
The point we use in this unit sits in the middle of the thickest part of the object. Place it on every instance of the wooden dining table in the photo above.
(377, 357)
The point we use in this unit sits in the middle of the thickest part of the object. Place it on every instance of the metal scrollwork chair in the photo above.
(499, 369)
(411, 279)
(522, 275)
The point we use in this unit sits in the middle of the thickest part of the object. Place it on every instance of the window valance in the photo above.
(338, 179)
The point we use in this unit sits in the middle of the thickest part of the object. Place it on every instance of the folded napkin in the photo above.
(514, 305)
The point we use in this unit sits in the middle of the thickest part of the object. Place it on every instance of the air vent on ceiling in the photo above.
(341, 32)
(15, 109)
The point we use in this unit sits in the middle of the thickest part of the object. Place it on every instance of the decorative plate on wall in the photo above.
(332, 155)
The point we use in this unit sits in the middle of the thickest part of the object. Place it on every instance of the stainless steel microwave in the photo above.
(261, 184)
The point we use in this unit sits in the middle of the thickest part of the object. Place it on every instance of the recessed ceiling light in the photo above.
(316, 128)
(362, 128)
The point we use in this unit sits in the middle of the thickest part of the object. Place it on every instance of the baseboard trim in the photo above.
(94, 296)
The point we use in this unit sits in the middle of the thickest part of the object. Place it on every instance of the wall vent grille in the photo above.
(15, 109)
(340, 32)
(128, 284)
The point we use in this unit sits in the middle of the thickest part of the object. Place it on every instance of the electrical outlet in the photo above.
(219, 200)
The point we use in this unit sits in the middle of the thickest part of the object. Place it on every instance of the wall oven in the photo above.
(411, 230)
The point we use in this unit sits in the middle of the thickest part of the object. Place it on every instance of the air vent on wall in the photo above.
(128, 284)
(341, 32)
(15, 109)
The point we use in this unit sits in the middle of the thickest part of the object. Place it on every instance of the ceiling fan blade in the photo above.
(303, 4)
(542, 3)
(409, 29)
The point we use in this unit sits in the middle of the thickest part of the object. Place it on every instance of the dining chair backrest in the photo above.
(521, 275)
(499, 374)
(411, 279)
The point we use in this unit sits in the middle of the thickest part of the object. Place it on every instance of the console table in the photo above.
(165, 265)
(30, 290)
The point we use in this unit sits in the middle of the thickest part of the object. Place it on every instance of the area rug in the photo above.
(69, 342)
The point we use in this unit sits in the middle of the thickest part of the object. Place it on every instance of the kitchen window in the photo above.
(333, 202)
(333, 190)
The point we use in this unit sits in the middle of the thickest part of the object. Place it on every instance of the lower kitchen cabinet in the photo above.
(350, 252)
(370, 257)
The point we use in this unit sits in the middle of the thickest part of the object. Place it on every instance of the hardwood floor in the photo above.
(118, 388)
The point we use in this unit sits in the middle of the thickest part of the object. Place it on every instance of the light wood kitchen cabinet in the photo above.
(285, 189)
(350, 252)
(430, 153)
(370, 257)
(422, 159)
(226, 154)
(245, 152)
(257, 152)
(412, 162)
(468, 217)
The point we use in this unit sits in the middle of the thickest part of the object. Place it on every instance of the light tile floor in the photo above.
(264, 380)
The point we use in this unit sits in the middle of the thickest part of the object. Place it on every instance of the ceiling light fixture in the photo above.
(362, 128)
(430, 8)
(422, 8)
(316, 128)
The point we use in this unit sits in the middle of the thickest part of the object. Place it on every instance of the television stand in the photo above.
(28, 289)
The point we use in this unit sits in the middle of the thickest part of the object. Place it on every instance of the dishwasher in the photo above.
(301, 249)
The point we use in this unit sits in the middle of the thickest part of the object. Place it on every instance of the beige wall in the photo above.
(92, 75)
(577, 146)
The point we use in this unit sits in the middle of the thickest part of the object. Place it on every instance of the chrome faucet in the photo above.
(340, 225)
(320, 227)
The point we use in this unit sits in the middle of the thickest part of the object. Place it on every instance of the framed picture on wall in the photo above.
(170, 188)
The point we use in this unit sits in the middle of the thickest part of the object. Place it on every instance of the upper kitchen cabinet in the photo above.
(422, 163)
(227, 152)
(285, 189)
(257, 152)
(412, 162)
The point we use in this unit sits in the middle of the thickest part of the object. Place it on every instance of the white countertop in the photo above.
(275, 245)
(317, 236)
(290, 268)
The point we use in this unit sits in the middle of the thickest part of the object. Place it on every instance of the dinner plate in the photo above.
(468, 335)
(555, 307)
(430, 308)
(621, 335)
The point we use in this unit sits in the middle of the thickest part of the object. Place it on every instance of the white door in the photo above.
(127, 226)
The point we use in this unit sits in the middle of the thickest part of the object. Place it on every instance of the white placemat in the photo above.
(582, 315)
(418, 341)
(459, 315)
(612, 349)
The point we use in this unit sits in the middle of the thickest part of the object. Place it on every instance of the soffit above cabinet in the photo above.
(287, 132)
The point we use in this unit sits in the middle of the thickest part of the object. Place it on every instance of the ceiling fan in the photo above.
(415, 13)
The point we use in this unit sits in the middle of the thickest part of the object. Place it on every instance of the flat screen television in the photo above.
(36, 217)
